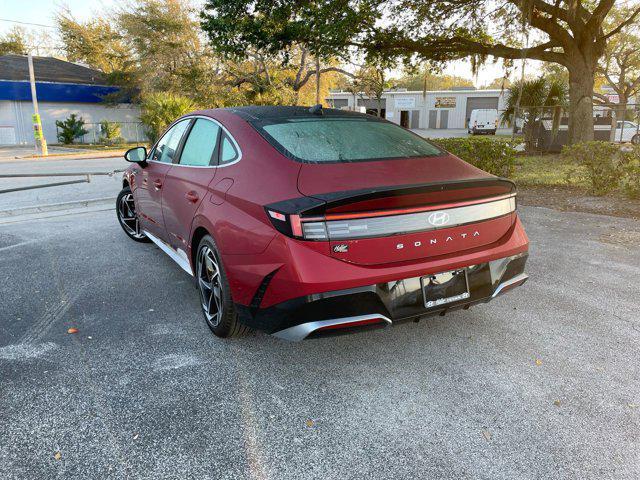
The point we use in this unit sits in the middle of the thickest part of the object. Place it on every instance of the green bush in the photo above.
(602, 161)
(608, 166)
(160, 109)
(110, 133)
(630, 181)
(70, 129)
(491, 155)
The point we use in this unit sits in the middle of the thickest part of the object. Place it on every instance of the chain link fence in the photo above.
(546, 129)
(130, 132)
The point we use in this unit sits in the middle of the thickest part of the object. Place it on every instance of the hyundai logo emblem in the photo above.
(437, 219)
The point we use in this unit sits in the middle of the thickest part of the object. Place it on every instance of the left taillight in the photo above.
(288, 224)
(292, 226)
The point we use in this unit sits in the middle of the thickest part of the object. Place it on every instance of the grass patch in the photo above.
(548, 170)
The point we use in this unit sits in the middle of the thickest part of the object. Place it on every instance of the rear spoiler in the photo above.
(320, 203)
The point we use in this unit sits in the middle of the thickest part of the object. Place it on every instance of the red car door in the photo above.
(151, 179)
(186, 184)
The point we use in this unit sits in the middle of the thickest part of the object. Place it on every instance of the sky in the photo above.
(43, 12)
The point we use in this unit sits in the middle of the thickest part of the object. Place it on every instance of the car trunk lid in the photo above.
(403, 210)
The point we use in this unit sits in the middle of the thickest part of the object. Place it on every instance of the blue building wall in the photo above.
(55, 92)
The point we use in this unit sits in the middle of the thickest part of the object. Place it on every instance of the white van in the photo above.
(483, 120)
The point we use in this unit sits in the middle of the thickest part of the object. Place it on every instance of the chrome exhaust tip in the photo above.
(302, 331)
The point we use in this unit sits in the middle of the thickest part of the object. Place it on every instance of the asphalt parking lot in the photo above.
(542, 383)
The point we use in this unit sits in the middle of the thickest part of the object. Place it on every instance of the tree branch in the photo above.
(597, 17)
(627, 22)
(554, 10)
(554, 30)
(458, 47)
(311, 73)
(303, 63)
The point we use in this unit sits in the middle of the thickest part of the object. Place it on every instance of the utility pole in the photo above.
(38, 135)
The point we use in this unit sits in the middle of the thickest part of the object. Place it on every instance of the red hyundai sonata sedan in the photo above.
(306, 222)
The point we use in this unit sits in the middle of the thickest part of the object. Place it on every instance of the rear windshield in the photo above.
(327, 139)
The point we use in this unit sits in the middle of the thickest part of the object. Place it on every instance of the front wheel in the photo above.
(127, 216)
(215, 293)
(636, 139)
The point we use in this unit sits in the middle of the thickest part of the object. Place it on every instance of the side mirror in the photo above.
(136, 155)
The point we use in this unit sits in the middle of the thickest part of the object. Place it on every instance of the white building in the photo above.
(62, 88)
(431, 109)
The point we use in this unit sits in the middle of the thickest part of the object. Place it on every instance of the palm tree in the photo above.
(540, 98)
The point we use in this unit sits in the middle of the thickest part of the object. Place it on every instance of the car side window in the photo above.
(200, 146)
(166, 148)
(228, 151)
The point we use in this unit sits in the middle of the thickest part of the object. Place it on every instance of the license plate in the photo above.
(443, 288)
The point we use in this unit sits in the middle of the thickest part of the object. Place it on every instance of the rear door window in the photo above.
(228, 151)
(200, 147)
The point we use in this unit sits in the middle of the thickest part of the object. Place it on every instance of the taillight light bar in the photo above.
(391, 222)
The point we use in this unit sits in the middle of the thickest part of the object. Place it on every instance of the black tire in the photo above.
(636, 139)
(127, 216)
(224, 324)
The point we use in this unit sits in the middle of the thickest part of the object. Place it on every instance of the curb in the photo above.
(53, 207)
(67, 156)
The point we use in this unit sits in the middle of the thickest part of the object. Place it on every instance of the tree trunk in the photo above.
(581, 81)
(318, 81)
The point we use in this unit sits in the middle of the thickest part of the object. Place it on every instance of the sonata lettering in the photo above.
(434, 241)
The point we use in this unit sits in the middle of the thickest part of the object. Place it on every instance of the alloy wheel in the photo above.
(210, 286)
(128, 216)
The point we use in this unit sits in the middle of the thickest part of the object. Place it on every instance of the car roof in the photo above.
(251, 113)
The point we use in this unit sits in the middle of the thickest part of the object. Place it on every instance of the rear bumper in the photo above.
(378, 305)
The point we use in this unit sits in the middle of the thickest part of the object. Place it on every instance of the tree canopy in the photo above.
(13, 41)
(572, 33)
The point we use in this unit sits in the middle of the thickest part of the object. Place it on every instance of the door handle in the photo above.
(192, 196)
(157, 184)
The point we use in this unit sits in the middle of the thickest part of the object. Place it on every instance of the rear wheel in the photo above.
(215, 293)
(636, 139)
(127, 216)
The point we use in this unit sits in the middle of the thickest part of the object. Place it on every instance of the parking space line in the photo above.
(16, 245)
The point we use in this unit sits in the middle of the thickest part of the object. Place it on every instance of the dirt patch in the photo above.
(574, 199)
(626, 238)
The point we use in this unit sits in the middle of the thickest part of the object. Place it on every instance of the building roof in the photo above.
(428, 92)
(48, 69)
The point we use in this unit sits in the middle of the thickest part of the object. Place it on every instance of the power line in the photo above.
(26, 23)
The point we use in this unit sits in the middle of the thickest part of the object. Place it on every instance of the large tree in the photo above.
(572, 33)
(95, 42)
(14, 41)
(373, 82)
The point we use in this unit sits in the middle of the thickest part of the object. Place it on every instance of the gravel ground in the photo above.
(542, 383)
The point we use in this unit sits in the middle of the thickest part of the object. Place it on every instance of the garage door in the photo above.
(338, 102)
(474, 103)
(372, 103)
(7, 135)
